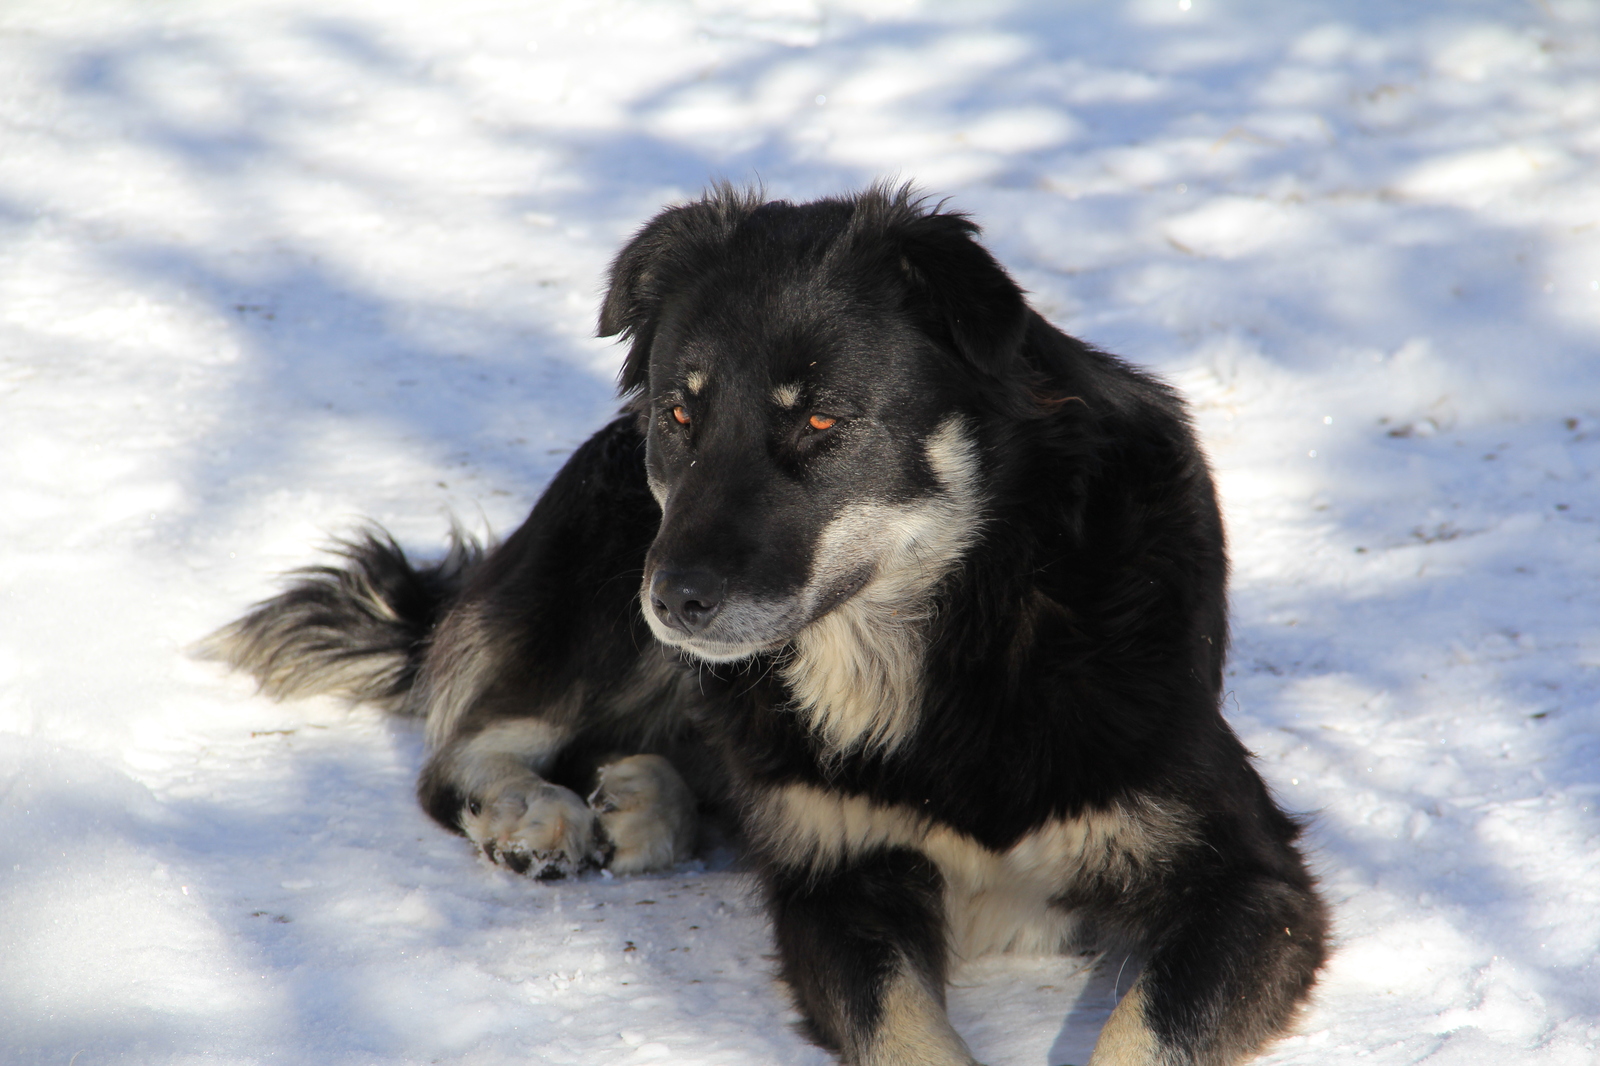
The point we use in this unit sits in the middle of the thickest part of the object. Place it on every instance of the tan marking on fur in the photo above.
(505, 750)
(805, 826)
(1126, 1039)
(994, 901)
(786, 395)
(695, 380)
(648, 813)
(855, 671)
(914, 1030)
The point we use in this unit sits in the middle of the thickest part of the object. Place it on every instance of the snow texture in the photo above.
(269, 267)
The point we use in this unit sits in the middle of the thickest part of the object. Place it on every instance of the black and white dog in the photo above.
(929, 594)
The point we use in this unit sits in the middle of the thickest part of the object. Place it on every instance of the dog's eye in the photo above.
(680, 413)
(821, 422)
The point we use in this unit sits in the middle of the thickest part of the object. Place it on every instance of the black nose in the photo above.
(686, 600)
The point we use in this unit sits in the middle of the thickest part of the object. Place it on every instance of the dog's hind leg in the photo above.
(1223, 982)
(863, 948)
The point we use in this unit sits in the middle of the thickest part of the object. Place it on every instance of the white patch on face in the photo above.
(658, 489)
(994, 901)
(786, 396)
(856, 671)
(695, 380)
(743, 629)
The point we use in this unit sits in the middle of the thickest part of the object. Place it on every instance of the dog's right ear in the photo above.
(665, 255)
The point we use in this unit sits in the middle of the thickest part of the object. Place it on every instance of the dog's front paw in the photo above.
(647, 814)
(533, 827)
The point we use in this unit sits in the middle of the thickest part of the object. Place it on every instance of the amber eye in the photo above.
(822, 422)
(681, 413)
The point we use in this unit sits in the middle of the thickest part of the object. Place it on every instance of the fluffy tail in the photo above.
(355, 630)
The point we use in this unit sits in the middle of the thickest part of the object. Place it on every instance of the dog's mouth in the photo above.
(740, 629)
(854, 584)
(743, 628)
(716, 651)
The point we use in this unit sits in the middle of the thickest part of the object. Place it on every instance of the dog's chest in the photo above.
(994, 900)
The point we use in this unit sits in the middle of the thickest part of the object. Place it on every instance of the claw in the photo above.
(604, 847)
(600, 800)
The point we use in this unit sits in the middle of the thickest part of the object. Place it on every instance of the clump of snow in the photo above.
(267, 267)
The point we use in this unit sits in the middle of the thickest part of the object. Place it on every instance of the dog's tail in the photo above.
(356, 630)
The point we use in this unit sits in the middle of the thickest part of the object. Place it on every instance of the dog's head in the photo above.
(807, 376)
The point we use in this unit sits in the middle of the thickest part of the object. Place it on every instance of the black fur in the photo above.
(841, 411)
(842, 935)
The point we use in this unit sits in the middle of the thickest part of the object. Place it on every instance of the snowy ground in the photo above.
(266, 267)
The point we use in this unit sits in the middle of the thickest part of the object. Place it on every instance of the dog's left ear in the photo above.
(960, 286)
(634, 297)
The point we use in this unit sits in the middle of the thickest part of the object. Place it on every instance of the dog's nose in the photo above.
(686, 600)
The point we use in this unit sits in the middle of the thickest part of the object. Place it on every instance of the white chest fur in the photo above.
(856, 672)
(994, 900)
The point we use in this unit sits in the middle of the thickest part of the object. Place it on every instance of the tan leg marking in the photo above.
(504, 751)
(914, 1030)
(1126, 1039)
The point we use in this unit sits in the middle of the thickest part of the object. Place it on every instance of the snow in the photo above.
(268, 267)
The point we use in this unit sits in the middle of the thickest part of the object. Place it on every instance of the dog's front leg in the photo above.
(863, 947)
(646, 812)
(488, 786)
(533, 827)
(1223, 981)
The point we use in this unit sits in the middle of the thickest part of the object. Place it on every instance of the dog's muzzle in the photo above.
(686, 600)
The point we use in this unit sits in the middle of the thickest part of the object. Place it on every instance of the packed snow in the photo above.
(267, 268)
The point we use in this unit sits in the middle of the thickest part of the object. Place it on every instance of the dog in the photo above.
(928, 594)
